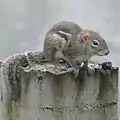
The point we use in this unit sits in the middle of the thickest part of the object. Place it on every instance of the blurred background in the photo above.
(23, 23)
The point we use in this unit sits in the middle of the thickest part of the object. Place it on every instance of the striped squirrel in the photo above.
(69, 42)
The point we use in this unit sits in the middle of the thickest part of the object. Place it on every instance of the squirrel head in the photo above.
(94, 43)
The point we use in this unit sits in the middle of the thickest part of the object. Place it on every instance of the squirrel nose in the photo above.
(106, 53)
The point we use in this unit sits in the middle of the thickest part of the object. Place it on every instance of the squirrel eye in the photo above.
(95, 42)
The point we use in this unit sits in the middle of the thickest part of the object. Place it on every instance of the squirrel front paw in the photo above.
(76, 71)
(90, 70)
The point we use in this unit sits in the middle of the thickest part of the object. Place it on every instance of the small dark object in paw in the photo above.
(106, 65)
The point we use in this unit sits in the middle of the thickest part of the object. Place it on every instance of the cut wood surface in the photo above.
(33, 90)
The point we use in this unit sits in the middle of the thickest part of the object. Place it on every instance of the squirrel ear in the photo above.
(85, 35)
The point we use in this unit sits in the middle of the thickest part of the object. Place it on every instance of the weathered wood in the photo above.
(38, 91)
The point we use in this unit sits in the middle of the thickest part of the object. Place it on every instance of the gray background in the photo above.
(23, 23)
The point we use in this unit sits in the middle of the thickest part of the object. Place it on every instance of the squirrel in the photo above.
(69, 42)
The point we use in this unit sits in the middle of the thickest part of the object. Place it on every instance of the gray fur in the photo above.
(55, 44)
(64, 41)
(78, 52)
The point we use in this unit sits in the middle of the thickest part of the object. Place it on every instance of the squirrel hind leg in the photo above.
(57, 59)
(59, 56)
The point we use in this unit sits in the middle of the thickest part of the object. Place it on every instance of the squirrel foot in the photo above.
(56, 66)
(76, 71)
(90, 70)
